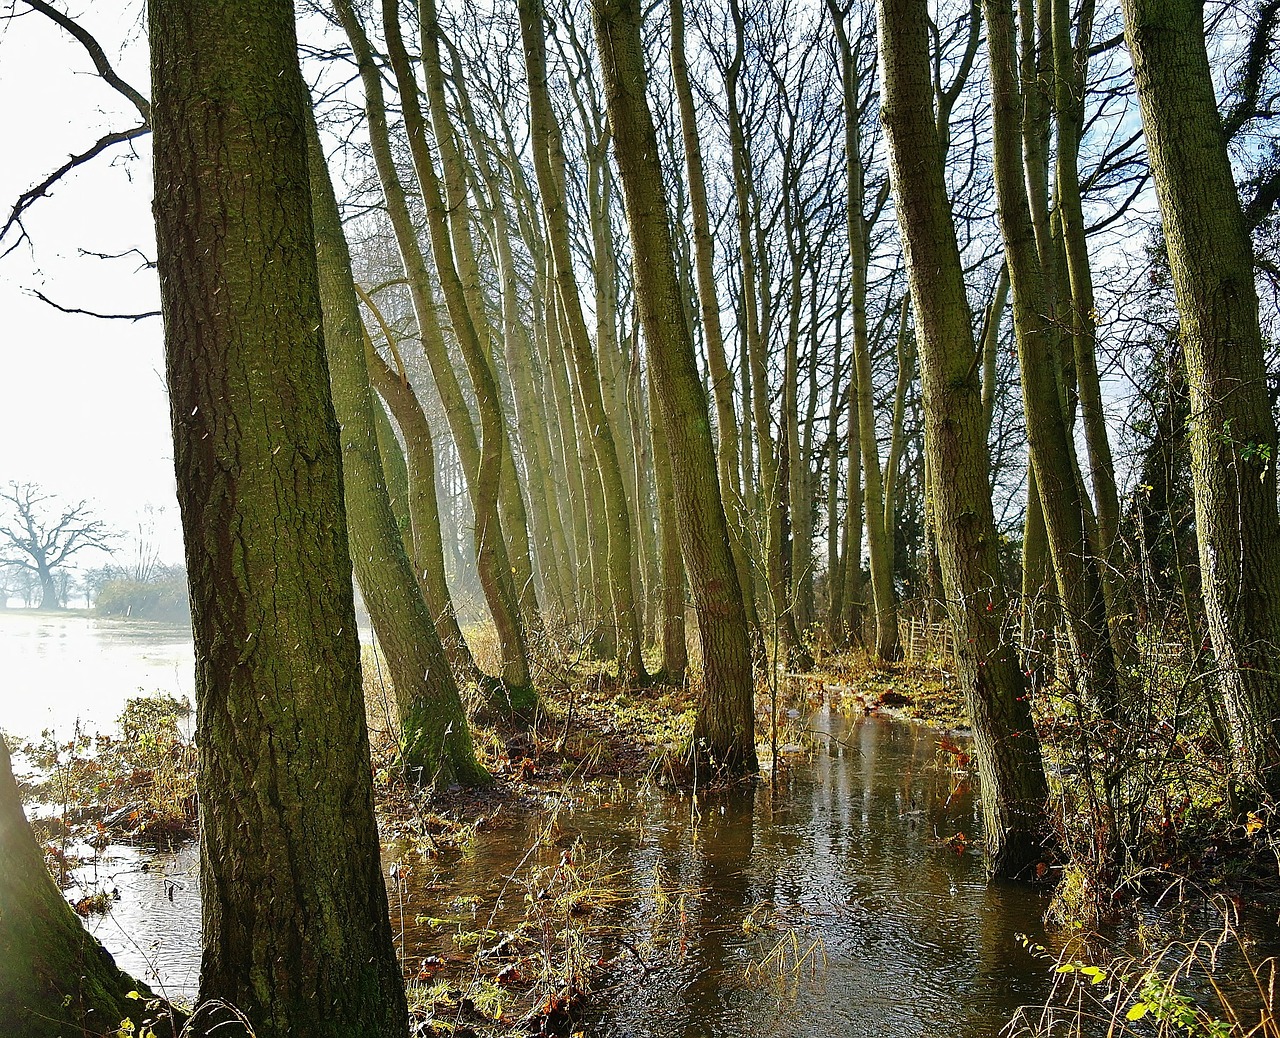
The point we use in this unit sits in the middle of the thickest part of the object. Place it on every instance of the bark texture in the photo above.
(1233, 434)
(296, 931)
(724, 731)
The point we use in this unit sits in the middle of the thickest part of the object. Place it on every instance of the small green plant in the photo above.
(1207, 988)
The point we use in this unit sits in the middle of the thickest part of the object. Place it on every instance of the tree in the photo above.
(1232, 431)
(1007, 749)
(39, 533)
(435, 741)
(1067, 512)
(295, 925)
(56, 978)
(549, 163)
(724, 731)
(709, 312)
(877, 498)
(481, 458)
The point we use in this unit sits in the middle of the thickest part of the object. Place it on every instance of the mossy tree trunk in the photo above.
(295, 926)
(480, 460)
(426, 545)
(499, 576)
(55, 978)
(1007, 749)
(675, 648)
(1070, 64)
(724, 731)
(458, 219)
(435, 740)
(549, 165)
(1232, 431)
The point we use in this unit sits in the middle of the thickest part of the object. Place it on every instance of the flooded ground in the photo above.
(848, 899)
(59, 669)
(853, 859)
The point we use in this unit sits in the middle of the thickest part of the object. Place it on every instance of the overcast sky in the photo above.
(83, 410)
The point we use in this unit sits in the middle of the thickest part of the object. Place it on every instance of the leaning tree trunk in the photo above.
(722, 387)
(295, 926)
(1233, 434)
(515, 520)
(1014, 789)
(724, 731)
(55, 978)
(480, 462)
(435, 740)
(422, 506)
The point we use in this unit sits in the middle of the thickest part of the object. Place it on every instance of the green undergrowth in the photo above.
(924, 692)
(1213, 986)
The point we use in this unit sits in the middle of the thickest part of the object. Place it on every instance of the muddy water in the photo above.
(846, 856)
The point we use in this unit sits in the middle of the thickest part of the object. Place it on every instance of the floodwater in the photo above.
(57, 670)
(851, 863)
(844, 859)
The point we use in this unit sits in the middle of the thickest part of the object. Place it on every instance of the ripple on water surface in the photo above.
(846, 851)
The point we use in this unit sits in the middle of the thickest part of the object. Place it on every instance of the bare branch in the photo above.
(97, 55)
(30, 196)
(1257, 55)
(91, 313)
(147, 262)
(109, 75)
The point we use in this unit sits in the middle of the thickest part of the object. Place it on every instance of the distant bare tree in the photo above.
(39, 533)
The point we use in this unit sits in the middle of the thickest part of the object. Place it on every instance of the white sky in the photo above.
(83, 409)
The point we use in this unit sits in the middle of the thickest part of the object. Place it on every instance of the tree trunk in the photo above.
(905, 354)
(48, 589)
(435, 740)
(1080, 588)
(837, 634)
(724, 731)
(675, 649)
(769, 491)
(722, 387)
(295, 925)
(1070, 61)
(56, 979)
(550, 551)
(513, 516)
(1233, 434)
(549, 162)
(426, 546)
(481, 462)
(854, 588)
(867, 471)
(1014, 790)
